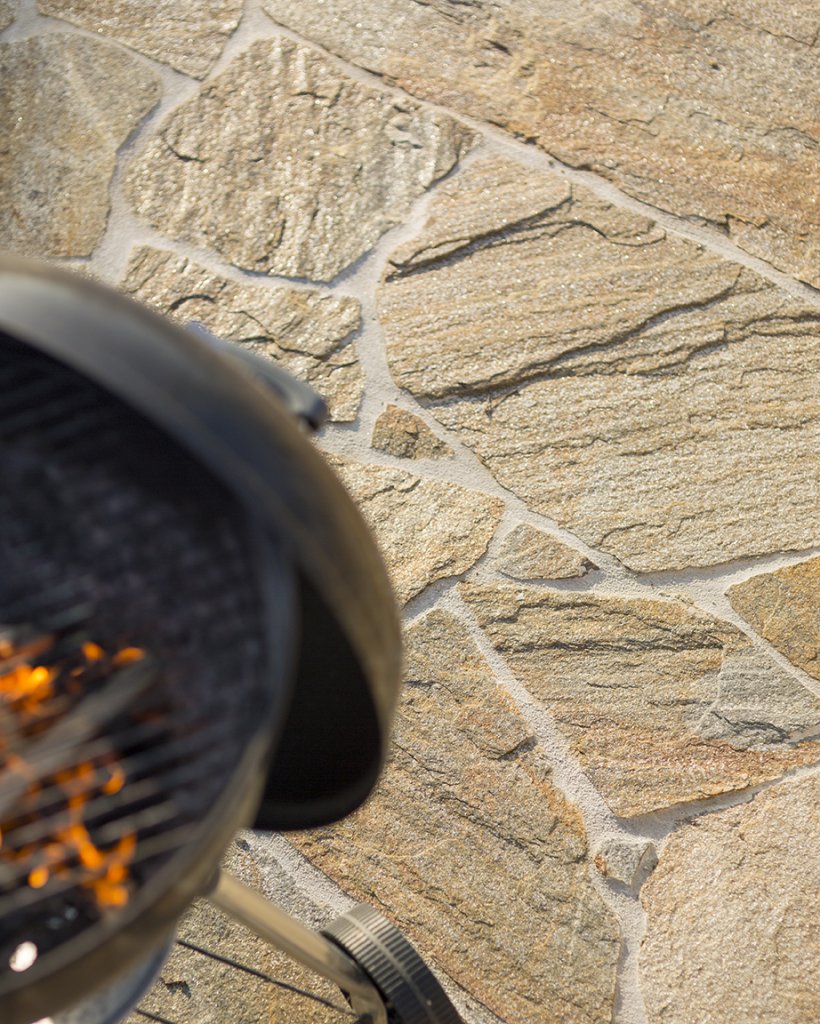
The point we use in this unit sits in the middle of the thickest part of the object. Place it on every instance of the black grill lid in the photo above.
(335, 737)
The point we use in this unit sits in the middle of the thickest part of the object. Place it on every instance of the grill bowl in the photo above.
(133, 416)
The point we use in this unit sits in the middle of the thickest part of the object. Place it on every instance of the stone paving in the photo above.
(551, 264)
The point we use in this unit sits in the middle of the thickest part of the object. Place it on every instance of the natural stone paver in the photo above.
(406, 436)
(784, 607)
(625, 859)
(732, 929)
(530, 554)
(470, 849)
(661, 703)
(284, 165)
(303, 330)
(696, 107)
(187, 36)
(69, 103)
(426, 530)
(6, 14)
(193, 989)
(654, 398)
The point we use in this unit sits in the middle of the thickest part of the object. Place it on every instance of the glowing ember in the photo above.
(31, 691)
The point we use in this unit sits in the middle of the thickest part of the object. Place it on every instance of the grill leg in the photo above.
(309, 948)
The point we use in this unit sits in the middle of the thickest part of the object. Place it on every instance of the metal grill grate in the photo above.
(110, 536)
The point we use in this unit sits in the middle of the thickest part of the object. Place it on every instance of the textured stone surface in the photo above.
(624, 859)
(188, 36)
(660, 703)
(302, 330)
(193, 989)
(469, 848)
(530, 554)
(6, 14)
(404, 435)
(698, 107)
(732, 929)
(426, 530)
(69, 103)
(655, 399)
(784, 607)
(284, 165)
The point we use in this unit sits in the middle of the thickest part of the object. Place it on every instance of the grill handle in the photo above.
(305, 404)
(309, 948)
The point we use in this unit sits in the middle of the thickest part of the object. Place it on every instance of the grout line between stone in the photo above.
(599, 820)
(660, 824)
(539, 159)
(310, 880)
(712, 598)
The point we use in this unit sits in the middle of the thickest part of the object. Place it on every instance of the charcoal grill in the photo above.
(196, 634)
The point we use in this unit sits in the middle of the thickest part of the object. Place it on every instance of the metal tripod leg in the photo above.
(310, 948)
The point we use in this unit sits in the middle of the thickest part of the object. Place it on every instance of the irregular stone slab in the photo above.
(651, 397)
(398, 432)
(784, 607)
(303, 330)
(193, 989)
(284, 165)
(187, 36)
(661, 703)
(6, 14)
(732, 926)
(625, 859)
(530, 554)
(70, 102)
(426, 530)
(698, 108)
(471, 850)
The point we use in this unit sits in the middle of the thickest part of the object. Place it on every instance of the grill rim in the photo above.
(214, 407)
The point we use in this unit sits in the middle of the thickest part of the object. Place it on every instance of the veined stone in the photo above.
(193, 989)
(304, 331)
(188, 36)
(656, 400)
(784, 607)
(6, 14)
(400, 433)
(471, 850)
(70, 102)
(284, 165)
(531, 554)
(426, 530)
(660, 703)
(698, 108)
(732, 926)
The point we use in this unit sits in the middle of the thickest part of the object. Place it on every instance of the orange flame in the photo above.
(70, 851)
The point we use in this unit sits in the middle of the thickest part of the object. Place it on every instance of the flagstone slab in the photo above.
(426, 530)
(660, 702)
(655, 399)
(284, 165)
(194, 989)
(732, 926)
(470, 849)
(69, 103)
(528, 553)
(304, 331)
(404, 435)
(188, 36)
(784, 607)
(699, 107)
